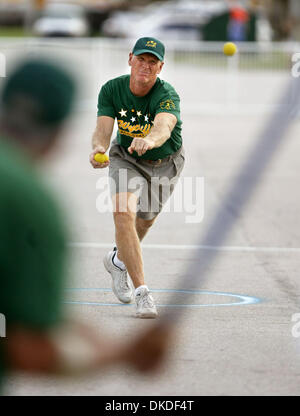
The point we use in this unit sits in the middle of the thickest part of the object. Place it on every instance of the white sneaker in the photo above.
(145, 307)
(120, 281)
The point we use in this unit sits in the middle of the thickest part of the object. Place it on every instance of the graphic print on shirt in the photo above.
(134, 123)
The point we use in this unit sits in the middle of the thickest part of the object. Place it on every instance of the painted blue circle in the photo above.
(242, 299)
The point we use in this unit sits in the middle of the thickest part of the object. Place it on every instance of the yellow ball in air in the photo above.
(230, 49)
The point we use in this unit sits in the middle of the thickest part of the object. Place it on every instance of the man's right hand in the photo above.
(97, 165)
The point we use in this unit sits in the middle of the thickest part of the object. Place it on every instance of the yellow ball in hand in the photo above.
(101, 157)
(229, 49)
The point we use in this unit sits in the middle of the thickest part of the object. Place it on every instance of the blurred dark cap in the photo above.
(42, 89)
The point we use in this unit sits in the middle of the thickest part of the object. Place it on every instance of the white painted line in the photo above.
(195, 247)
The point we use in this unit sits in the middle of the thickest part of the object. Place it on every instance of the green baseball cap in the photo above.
(149, 45)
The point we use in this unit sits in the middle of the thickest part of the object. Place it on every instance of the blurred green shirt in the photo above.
(32, 248)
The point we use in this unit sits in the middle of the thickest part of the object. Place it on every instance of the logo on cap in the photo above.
(151, 43)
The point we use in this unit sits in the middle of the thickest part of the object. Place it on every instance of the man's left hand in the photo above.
(141, 146)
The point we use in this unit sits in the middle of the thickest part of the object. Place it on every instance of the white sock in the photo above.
(117, 262)
(138, 289)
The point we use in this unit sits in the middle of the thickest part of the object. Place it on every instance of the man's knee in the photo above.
(124, 219)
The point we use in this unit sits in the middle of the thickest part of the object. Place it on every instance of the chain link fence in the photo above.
(207, 81)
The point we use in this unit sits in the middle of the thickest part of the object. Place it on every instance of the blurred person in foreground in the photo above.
(35, 101)
(145, 163)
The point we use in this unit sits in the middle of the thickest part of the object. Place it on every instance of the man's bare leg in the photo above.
(129, 230)
(127, 238)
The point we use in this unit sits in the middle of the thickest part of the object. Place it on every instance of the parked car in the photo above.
(165, 20)
(59, 19)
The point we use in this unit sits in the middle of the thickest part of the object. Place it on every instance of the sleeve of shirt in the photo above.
(105, 101)
(169, 102)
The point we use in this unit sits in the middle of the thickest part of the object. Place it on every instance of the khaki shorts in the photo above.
(152, 182)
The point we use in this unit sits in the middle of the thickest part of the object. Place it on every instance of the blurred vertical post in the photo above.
(2, 326)
(2, 65)
(33, 7)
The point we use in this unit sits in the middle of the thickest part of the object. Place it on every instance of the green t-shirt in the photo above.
(32, 248)
(135, 115)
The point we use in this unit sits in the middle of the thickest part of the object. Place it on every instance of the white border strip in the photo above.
(196, 247)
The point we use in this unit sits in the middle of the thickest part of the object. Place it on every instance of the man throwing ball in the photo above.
(145, 161)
